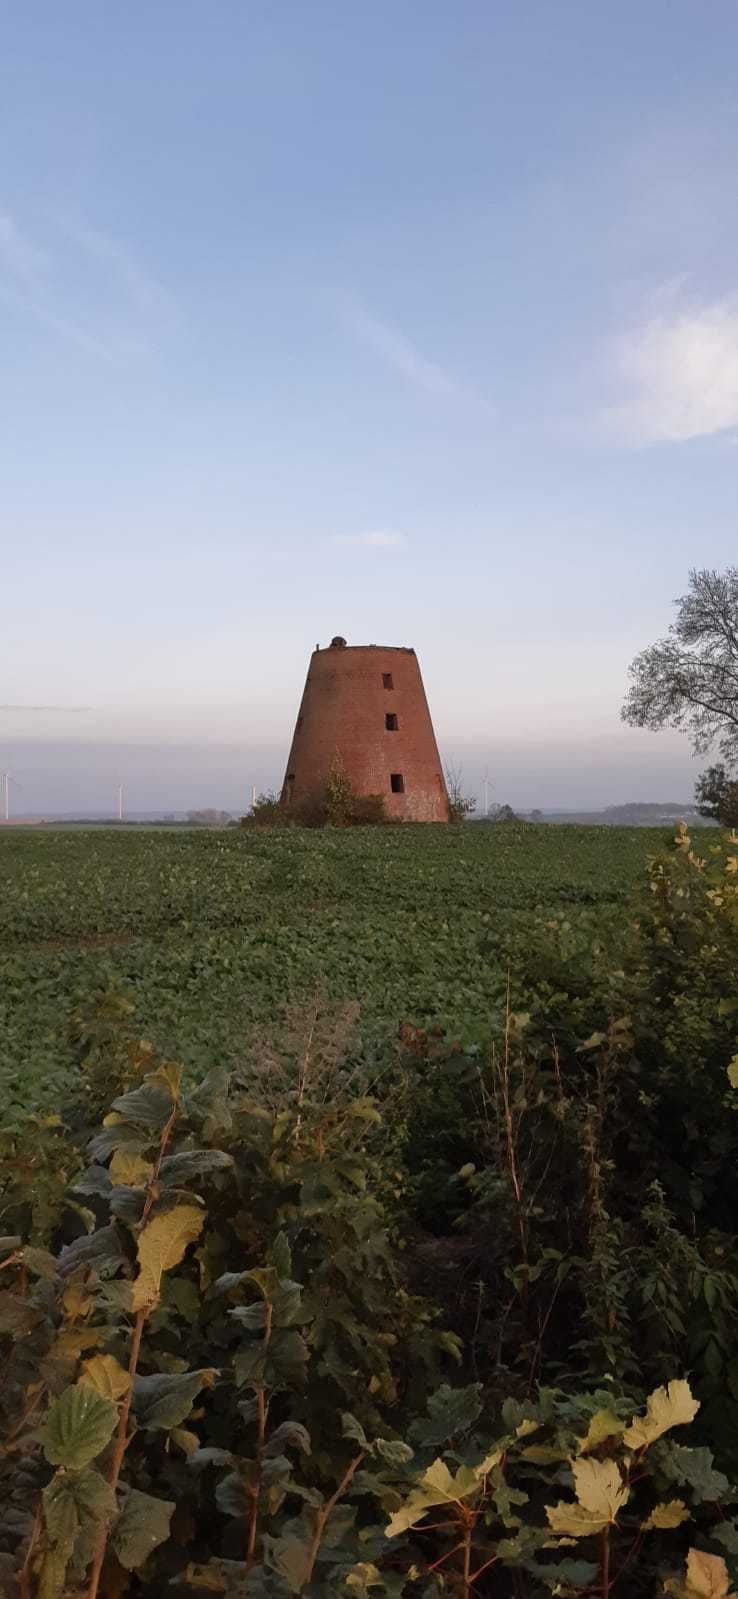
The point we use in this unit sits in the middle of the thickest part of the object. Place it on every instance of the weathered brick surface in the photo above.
(342, 718)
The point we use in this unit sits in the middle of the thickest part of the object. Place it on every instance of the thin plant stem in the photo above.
(261, 1423)
(325, 1511)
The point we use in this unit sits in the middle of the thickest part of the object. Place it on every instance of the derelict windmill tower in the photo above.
(364, 707)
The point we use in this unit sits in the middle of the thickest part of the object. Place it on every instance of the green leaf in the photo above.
(289, 1556)
(351, 1428)
(142, 1525)
(17, 1316)
(161, 1401)
(280, 1256)
(680, 1464)
(150, 1105)
(394, 1451)
(77, 1505)
(192, 1164)
(79, 1427)
(119, 1135)
(102, 1250)
(232, 1496)
(288, 1434)
(40, 1262)
(451, 1412)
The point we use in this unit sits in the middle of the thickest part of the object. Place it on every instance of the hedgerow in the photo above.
(324, 1323)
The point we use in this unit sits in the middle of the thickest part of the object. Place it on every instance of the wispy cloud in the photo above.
(144, 290)
(33, 280)
(399, 352)
(19, 257)
(679, 372)
(377, 539)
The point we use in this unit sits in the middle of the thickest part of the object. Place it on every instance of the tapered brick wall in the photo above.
(343, 718)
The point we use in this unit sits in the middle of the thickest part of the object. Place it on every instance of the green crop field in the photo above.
(215, 933)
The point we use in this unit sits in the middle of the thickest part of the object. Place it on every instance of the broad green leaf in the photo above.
(101, 1250)
(288, 1434)
(161, 1401)
(106, 1375)
(680, 1464)
(192, 1164)
(161, 1246)
(142, 1525)
(603, 1424)
(77, 1506)
(150, 1105)
(451, 1412)
(668, 1407)
(666, 1515)
(79, 1427)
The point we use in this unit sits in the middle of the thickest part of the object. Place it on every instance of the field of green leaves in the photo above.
(214, 934)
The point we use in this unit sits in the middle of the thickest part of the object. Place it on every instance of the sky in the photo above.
(412, 322)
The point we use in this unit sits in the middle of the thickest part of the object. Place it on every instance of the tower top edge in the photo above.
(356, 649)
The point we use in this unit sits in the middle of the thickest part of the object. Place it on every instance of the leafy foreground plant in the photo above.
(126, 1467)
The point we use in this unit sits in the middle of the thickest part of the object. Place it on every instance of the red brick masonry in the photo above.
(350, 698)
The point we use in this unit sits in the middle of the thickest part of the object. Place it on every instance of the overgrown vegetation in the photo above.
(346, 1319)
(338, 805)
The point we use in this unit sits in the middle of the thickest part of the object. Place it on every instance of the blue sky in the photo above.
(415, 322)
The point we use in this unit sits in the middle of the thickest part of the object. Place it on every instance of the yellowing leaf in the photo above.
(672, 1406)
(707, 1576)
(130, 1170)
(601, 1493)
(106, 1376)
(161, 1245)
(573, 1521)
(603, 1424)
(733, 1072)
(667, 1515)
(437, 1487)
(599, 1487)
(489, 1462)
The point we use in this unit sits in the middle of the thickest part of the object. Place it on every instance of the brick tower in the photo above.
(364, 708)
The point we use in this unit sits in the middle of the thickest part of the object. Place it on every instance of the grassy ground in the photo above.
(213, 933)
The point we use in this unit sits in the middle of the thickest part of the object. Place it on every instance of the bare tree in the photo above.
(690, 679)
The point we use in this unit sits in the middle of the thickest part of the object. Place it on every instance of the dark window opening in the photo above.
(391, 723)
(387, 680)
(397, 783)
(288, 787)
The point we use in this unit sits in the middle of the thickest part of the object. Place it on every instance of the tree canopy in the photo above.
(689, 679)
